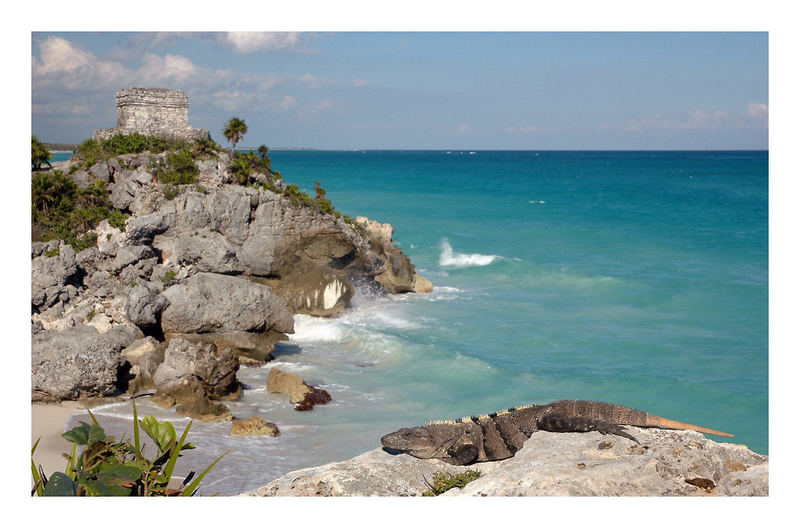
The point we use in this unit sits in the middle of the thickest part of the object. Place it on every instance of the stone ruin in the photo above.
(152, 112)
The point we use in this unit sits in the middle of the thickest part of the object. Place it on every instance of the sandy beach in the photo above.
(48, 421)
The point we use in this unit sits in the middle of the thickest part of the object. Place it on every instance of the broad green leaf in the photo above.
(85, 434)
(162, 433)
(99, 488)
(60, 485)
(114, 474)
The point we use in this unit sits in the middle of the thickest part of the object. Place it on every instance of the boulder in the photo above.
(78, 361)
(287, 383)
(204, 250)
(129, 255)
(299, 392)
(141, 304)
(144, 356)
(50, 275)
(208, 302)
(190, 399)
(665, 463)
(214, 369)
(249, 346)
(100, 171)
(254, 425)
(141, 230)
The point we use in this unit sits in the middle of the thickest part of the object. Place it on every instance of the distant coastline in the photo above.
(60, 147)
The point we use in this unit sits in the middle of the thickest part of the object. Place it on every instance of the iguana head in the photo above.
(416, 441)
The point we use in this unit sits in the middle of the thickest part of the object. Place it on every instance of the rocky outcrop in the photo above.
(143, 357)
(299, 392)
(254, 425)
(398, 274)
(54, 274)
(78, 362)
(209, 302)
(193, 374)
(219, 266)
(674, 463)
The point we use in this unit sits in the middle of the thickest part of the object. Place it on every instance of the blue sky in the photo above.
(487, 90)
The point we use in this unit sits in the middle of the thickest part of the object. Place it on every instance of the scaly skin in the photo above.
(500, 435)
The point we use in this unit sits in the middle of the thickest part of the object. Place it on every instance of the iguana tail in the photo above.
(658, 421)
(621, 415)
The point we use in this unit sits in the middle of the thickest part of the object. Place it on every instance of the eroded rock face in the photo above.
(214, 369)
(78, 361)
(50, 275)
(209, 302)
(553, 464)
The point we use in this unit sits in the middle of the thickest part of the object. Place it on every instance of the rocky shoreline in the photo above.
(194, 285)
(664, 463)
(206, 278)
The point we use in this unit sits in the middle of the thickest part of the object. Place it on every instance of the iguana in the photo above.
(500, 435)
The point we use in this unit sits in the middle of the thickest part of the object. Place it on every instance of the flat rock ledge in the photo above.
(664, 463)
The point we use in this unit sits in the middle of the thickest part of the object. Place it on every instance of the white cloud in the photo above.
(60, 55)
(63, 64)
(250, 42)
(759, 114)
(360, 83)
(755, 116)
(463, 128)
(174, 67)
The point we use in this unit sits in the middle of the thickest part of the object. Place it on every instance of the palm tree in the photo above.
(234, 131)
(263, 150)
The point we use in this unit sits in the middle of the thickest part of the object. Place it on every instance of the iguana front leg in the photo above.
(558, 423)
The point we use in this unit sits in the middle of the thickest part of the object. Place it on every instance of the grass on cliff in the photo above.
(92, 151)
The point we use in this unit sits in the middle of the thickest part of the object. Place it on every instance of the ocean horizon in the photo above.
(633, 277)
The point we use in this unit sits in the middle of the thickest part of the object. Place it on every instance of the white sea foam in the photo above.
(462, 260)
(317, 329)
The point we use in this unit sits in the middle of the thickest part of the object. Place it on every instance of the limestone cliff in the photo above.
(219, 263)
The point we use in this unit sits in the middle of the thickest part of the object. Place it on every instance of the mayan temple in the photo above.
(152, 112)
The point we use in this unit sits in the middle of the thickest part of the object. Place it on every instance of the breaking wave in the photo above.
(462, 260)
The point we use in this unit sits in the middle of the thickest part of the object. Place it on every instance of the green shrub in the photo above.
(171, 191)
(445, 481)
(180, 168)
(109, 468)
(63, 211)
(39, 154)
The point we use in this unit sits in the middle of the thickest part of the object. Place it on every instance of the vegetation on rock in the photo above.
(63, 211)
(445, 481)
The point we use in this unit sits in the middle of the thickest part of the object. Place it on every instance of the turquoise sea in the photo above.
(638, 278)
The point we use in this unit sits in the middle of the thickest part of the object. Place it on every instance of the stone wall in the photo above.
(152, 112)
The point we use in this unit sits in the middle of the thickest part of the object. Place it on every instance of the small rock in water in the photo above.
(254, 425)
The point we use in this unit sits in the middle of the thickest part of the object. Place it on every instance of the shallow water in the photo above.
(637, 278)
